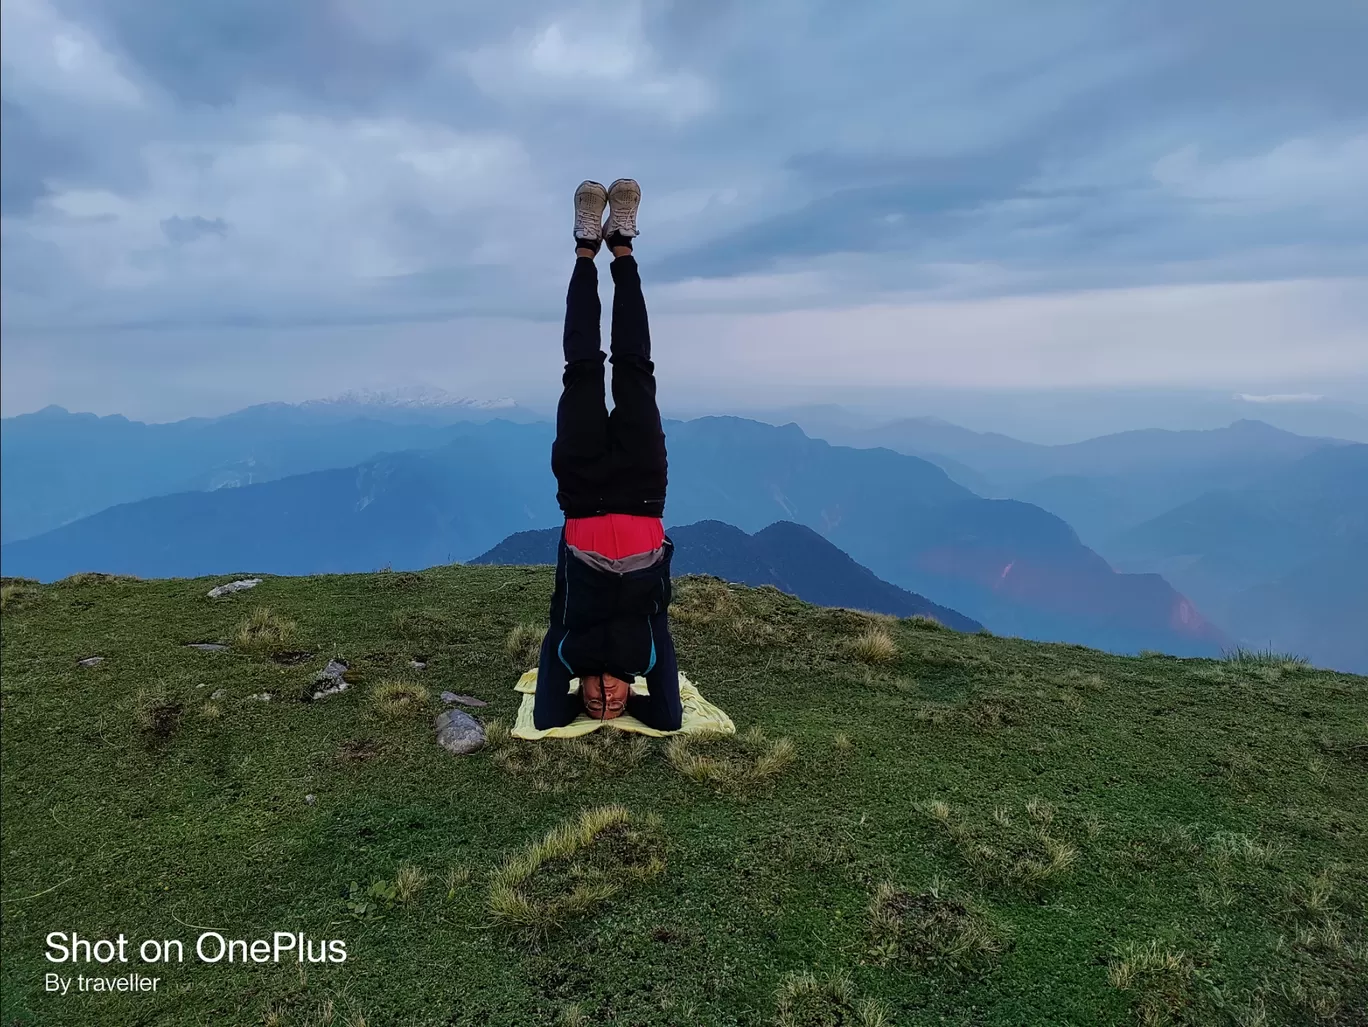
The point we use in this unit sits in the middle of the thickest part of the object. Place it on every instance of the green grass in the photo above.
(955, 830)
(1243, 656)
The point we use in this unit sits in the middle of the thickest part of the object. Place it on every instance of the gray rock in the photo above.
(458, 732)
(311, 799)
(329, 680)
(263, 696)
(233, 586)
(91, 661)
(464, 700)
(219, 693)
(208, 647)
(418, 664)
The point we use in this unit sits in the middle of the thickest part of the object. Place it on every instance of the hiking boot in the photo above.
(624, 196)
(590, 199)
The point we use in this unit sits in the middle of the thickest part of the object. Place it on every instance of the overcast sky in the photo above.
(207, 205)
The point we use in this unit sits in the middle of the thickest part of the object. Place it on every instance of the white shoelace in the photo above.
(624, 223)
(587, 224)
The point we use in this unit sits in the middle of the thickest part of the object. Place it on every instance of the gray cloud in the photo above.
(179, 230)
(178, 166)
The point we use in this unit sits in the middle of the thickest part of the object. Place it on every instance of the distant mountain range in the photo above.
(56, 466)
(791, 557)
(1007, 564)
(1100, 486)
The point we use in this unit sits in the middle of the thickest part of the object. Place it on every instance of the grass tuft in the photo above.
(157, 715)
(524, 644)
(456, 878)
(397, 698)
(264, 629)
(1160, 983)
(732, 764)
(578, 865)
(408, 883)
(926, 622)
(804, 1000)
(1264, 658)
(930, 929)
(874, 645)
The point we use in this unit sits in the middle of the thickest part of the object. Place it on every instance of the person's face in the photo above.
(605, 696)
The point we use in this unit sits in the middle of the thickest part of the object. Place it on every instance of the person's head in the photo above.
(604, 695)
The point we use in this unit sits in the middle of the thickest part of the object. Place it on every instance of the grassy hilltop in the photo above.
(912, 827)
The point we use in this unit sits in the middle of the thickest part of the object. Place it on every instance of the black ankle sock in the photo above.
(588, 244)
(618, 239)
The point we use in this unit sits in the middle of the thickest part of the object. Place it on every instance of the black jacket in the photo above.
(604, 617)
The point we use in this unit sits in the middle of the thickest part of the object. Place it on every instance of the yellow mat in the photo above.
(700, 716)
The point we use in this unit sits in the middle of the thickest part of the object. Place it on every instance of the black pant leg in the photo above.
(635, 432)
(583, 337)
(555, 705)
(581, 455)
(661, 708)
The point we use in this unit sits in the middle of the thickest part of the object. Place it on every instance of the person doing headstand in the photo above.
(610, 608)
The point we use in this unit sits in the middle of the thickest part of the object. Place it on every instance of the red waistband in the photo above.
(615, 535)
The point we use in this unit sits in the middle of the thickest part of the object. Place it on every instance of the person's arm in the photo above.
(555, 705)
(661, 708)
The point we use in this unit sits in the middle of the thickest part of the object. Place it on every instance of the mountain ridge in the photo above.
(791, 557)
(899, 516)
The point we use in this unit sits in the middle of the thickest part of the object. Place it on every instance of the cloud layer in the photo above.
(270, 167)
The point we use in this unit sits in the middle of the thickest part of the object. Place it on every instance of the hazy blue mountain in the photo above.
(1276, 562)
(1243, 446)
(410, 509)
(1012, 566)
(1061, 416)
(1105, 485)
(1007, 564)
(788, 556)
(57, 466)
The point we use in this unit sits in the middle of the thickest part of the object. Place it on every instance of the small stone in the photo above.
(418, 664)
(91, 661)
(330, 680)
(263, 696)
(233, 586)
(458, 732)
(219, 693)
(464, 700)
(208, 647)
(311, 799)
